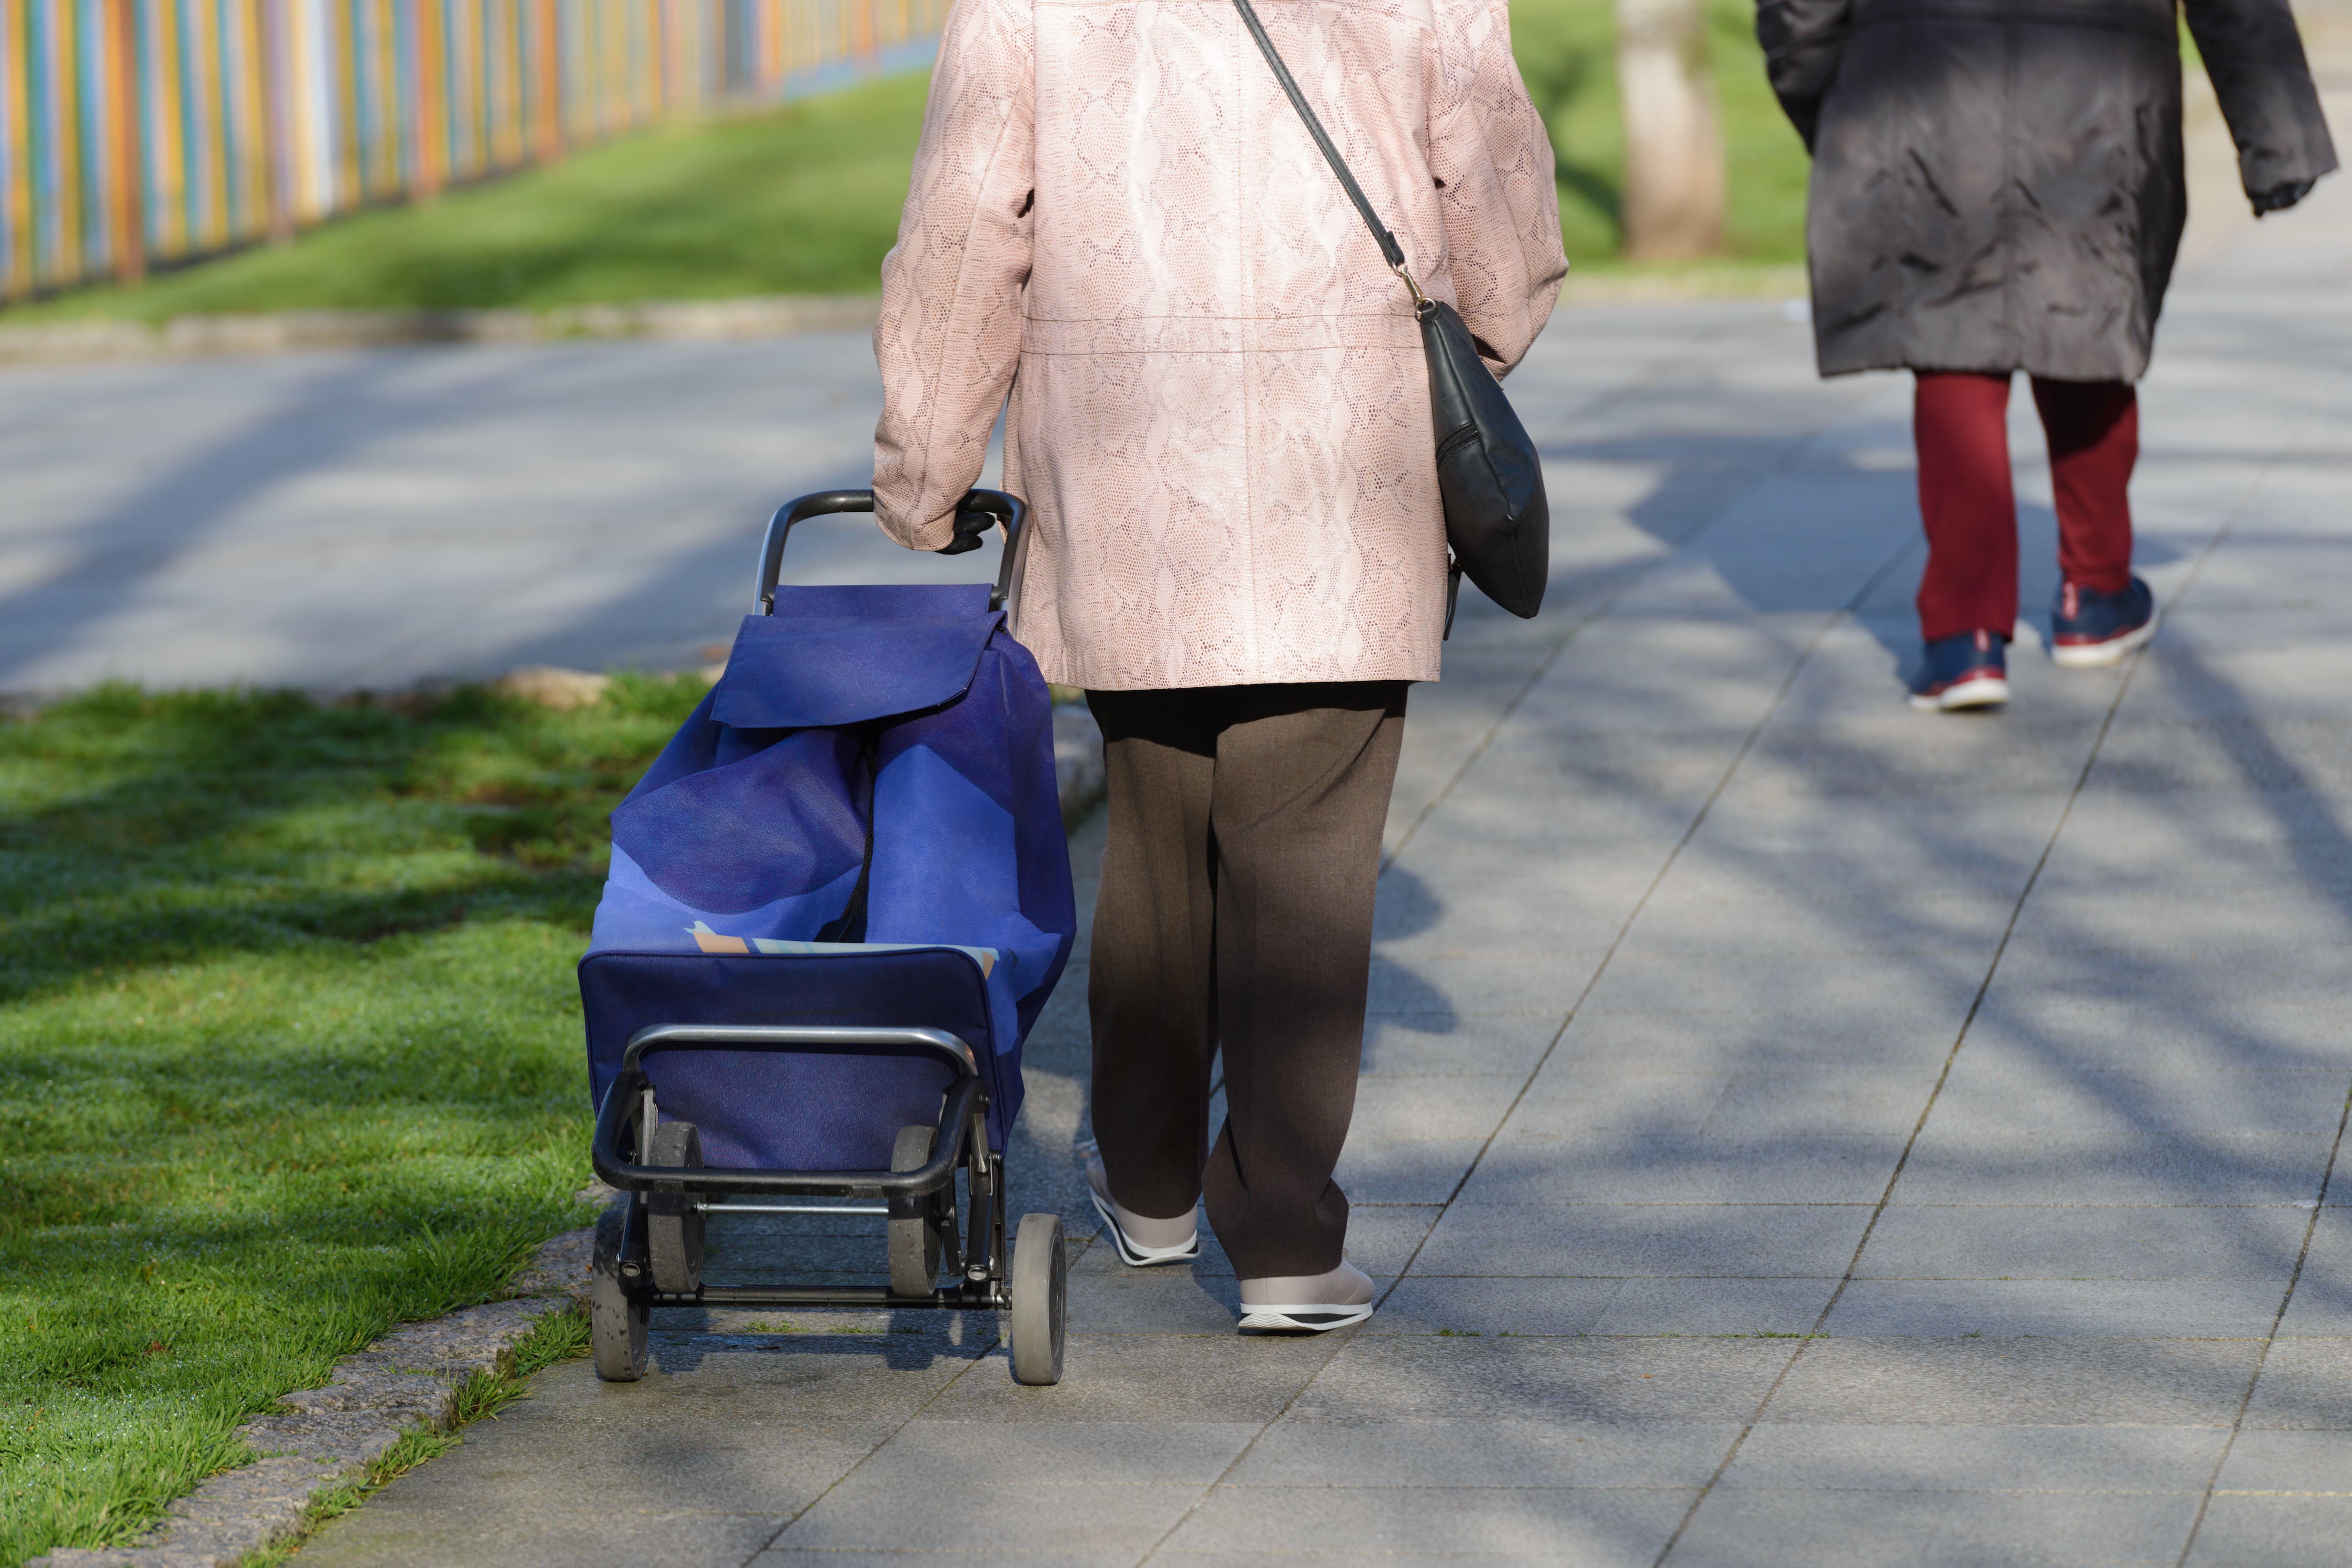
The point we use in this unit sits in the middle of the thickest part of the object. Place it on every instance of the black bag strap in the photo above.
(1391, 251)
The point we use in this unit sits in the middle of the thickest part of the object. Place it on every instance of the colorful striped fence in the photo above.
(133, 131)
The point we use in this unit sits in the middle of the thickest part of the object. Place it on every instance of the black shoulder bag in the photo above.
(1497, 524)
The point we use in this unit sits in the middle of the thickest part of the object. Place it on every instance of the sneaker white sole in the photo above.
(2099, 654)
(1136, 1256)
(1320, 1320)
(1986, 692)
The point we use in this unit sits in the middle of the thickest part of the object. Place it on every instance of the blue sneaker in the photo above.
(1970, 670)
(2088, 628)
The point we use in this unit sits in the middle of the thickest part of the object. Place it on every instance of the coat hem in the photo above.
(1998, 364)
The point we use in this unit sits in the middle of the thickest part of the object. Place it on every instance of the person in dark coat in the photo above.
(1997, 186)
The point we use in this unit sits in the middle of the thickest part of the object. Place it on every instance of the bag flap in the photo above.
(831, 657)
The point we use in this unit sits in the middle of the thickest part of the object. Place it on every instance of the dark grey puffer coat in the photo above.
(1998, 184)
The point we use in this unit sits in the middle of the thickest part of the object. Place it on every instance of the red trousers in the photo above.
(1960, 422)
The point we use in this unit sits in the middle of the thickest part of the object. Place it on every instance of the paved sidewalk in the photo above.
(376, 518)
(1941, 1115)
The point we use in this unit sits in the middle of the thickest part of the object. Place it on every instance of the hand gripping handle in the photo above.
(1006, 508)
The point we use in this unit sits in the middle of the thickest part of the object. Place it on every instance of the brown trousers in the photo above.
(1236, 915)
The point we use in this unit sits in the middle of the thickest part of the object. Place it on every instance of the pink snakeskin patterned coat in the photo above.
(1219, 410)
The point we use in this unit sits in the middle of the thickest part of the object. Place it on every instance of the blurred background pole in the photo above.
(275, 117)
(126, 188)
(1674, 188)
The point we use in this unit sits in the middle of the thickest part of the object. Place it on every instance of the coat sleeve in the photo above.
(950, 333)
(1497, 196)
(2254, 56)
(1801, 40)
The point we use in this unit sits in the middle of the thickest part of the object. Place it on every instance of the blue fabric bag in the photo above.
(860, 826)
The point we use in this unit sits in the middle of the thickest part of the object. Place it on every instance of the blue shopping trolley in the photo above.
(837, 901)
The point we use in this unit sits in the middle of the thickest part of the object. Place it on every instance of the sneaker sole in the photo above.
(2099, 654)
(1136, 1256)
(1982, 692)
(1301, 1320)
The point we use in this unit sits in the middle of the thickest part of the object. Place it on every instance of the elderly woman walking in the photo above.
(1997, 186)
(1219, 413)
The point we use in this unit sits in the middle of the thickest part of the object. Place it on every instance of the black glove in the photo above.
(971, 529)
(2278, 198)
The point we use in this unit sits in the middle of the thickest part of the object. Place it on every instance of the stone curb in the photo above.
(407, 1379)
(677, 321)
(192, 337)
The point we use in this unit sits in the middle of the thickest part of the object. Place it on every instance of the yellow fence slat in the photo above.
(134, 131)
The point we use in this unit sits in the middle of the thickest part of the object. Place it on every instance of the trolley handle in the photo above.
(967, 1109)
(1002, 506)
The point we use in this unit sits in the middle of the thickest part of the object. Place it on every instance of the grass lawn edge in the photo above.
(249, 1515)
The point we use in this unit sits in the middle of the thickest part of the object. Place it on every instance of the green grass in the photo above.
(802, 199)
(1566, 52)
(289, 1052)
(806, 198)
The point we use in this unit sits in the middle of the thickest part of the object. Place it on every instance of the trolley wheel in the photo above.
(674, 1220)
(1041, 1290)
(914, 1238)
(618, 1313)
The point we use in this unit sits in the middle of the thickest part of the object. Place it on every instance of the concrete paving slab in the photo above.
(1483, 1307)
(872, 1512)
(1747, 1241)
(1119, 1377)
(1619, 1168)
(441, 1532)
(1441, 904)
(980, 1556)
(1984, 1165)
(1424, 1171)
(2029, 1092)
(1733, 1309)
(1481, 821)
(1612, 1381)
(1542, 984)
(1582, 1525)
(1914, 754)
(1398, 1046)
(1719, 1044)
(1480, 1307)
(1685, 916)
(1895, 987)
(2244, 1531)
(2287, 1462)
(2305, 1385)
(2126, 1308)
(1420, 1110)
(1997, 1382)
(1833, 1528)
(1679, 766)
(1978, 1458)
(1480, 1454)
(1170, 1300)
(2075, 1241)
(930, 1451)
(2301, 1033)
(2286, 752)
(2205, 925)
(2322, 1303)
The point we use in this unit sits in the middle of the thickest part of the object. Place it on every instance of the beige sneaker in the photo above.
(1141, 1242)
(1307, 1303)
